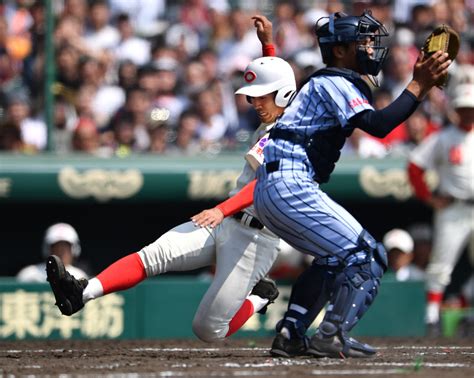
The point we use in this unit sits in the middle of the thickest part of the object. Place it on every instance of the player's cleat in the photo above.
(338, 347)
(266, 288)
(66, 288)
(284, 347)
(433, 330)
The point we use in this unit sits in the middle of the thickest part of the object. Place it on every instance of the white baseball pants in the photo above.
(243, 255)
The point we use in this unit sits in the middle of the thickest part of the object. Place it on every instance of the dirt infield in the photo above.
(419, 358)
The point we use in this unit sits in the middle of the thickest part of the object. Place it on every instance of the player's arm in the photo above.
(265, 34)
(380, 123)
(416, 176)
(213, 217)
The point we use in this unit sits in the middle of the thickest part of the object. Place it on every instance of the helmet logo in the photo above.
(250, 76)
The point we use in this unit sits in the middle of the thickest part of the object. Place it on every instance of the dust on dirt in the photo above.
(420, 357)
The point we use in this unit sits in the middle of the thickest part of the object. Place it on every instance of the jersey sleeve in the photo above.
(425, 154)
(255, 155)
(342, 97)
(238, 202)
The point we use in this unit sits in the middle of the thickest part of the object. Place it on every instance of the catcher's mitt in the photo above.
(446, 39)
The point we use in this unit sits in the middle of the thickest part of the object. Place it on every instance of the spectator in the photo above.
(398, 70)
(400, 251)
(363, 145)
(417, 127)
(19, 112)
(146, 16)
(167, 95)
(68, 78)
(184, 40)
(159, 136)
(186, 142)
(243, 42)
(60, 239)
(86, 139)
(107, 98)
(137, 109)
(11, 140)
(65, 119)
(422, 236)
(100, 34)
(112, 57)
(213, 125)
(130, 47)
(75, 8)
(127, 75)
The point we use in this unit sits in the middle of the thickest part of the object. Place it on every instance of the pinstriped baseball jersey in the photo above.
(288, 201)
(323, 103)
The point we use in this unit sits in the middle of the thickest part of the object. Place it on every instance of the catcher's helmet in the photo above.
(267, 75)
(341, 28)
(61, 232)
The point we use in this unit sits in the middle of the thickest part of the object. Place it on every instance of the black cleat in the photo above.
(283, 347)
(66, 288)
(338, 347)
(266, 288)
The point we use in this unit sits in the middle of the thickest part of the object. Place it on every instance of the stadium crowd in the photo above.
(155, 76)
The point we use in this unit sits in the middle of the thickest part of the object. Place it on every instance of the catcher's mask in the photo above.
(267, 75)
(341, 28)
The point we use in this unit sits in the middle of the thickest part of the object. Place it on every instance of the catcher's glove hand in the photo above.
(446, 39)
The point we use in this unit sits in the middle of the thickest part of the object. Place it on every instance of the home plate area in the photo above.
(405, 357)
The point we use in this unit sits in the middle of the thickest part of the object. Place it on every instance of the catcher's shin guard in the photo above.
(355, 289)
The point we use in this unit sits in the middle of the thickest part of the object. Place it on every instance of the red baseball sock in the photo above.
(239, 319)
(434, 297)
(122, 274)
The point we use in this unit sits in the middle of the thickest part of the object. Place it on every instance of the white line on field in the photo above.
(356, 372)
(242, 349)
(424, 364)
(427, 347)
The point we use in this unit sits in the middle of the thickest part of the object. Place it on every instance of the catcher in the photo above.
(301, 154)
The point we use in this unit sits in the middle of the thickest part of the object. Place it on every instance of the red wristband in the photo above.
(268, 50)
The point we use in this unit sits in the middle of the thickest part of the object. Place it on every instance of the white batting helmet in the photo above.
(267, 75)
(61, 232)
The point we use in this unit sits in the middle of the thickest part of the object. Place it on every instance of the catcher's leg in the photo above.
(355, 288)
(309, 295)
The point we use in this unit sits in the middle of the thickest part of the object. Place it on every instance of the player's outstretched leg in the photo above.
(66, 288)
